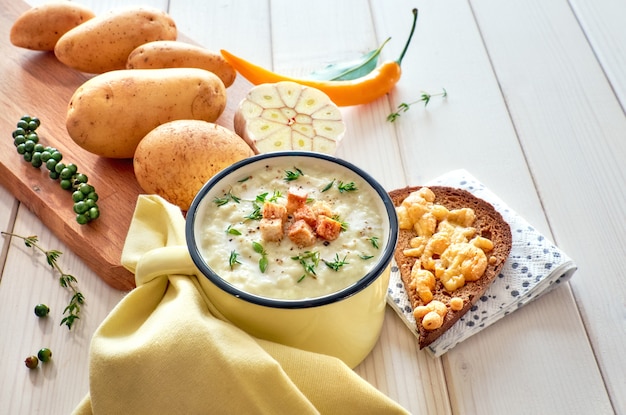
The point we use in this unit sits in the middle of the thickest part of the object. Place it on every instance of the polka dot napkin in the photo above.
(535, 266)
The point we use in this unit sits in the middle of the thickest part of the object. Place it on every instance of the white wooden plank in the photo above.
(28, 280)
(237, 26)
(603, 24)
(8, 210)
(571, 128)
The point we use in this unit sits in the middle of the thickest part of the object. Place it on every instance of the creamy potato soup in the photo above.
(286, 232)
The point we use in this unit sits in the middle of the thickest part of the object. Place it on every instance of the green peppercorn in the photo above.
(94, 213)
(51, 164)
(19, 139)
(66, 184)
(31, 362)
(44, 355)
(29, 145)
(81, 178)
(59, 167)
(78, 196)
(41, 310)
(23, 124)
(80, 207)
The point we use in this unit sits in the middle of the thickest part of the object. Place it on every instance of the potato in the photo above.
(176, 158)
(41, 27)
(174, 54)
(110, 113)
(103, 43)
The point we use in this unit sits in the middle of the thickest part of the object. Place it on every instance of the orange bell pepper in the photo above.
(343, 93)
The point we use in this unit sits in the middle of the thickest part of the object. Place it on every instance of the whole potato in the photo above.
(175, 54)
(40, 27)
(103, 43)
(176, 158)
(110, 113)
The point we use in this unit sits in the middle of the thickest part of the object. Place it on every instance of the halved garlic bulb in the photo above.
(289, 116)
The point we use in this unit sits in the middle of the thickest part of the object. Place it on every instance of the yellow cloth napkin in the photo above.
(165, 350)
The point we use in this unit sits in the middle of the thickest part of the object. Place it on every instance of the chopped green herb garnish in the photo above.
(365, 257)
(293, 175)
(256, 212)
(337, 263)
(309, 261)
(374, 241)
(232, 260)
(232, 231)
(328, 186)
(263, 262)
(346, 187)
(221, 201)
(262, 198)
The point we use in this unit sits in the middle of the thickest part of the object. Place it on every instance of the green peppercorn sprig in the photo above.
(26, 141)
(72, 311)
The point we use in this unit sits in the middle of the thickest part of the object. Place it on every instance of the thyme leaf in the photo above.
(374, 241)
(232, 231)
(263, 262)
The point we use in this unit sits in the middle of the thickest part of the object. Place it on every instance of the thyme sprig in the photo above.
(337, 263)
(72, 311)
(221, 201)
(293, 175)
(347, 187)
(404, 107)
(309, 261)
(233, 259)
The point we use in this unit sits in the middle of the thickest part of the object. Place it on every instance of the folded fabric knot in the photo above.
(161, 262)
(164, 350)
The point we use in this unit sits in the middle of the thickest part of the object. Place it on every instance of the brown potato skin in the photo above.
(103, 43)
(110, 113)
(176, 54)
(177, 158)
(40, 27)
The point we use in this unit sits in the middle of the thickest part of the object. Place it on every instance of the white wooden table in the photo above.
(535, 110)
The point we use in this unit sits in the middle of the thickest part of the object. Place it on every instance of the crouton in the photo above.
(306, 214)
(296, 198)
(328, 228)
(273, 210)
(301, 234)
(322, 208)
(271, 229)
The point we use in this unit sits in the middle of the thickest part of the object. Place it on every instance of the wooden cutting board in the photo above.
(37, 84)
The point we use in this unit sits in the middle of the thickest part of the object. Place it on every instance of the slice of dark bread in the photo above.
(489, 224)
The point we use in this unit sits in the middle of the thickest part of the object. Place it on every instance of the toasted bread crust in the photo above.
(489, 224)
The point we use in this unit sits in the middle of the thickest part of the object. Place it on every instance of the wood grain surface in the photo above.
(37, 84)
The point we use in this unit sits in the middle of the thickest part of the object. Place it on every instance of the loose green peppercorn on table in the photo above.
(536, 114)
